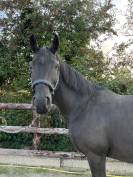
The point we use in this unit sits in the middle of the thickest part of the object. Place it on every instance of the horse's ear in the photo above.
(33, 43)
(55, 44)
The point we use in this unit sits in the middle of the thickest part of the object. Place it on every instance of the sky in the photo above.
(121, 6)
(2, 14)
(120, 3)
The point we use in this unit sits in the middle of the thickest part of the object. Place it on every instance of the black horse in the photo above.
(100, 121)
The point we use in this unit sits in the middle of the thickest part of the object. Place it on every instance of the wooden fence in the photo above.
(34, 127)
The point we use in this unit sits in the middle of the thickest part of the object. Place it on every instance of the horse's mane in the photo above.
(76, 81)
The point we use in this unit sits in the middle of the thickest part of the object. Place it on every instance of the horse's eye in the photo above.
(57, 66)
(30, 69)
(30, 65)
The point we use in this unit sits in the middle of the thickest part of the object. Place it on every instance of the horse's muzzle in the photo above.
(42, 105)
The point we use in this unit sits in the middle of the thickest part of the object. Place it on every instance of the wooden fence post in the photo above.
(36, 123)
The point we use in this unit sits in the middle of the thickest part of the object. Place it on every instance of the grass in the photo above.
(23, 171)
(26, 171)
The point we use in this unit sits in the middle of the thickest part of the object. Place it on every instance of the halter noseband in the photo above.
(46, 83)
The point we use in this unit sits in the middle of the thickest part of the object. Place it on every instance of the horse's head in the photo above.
(44, 74)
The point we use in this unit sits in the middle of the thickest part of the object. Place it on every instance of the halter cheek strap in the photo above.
(46, 83)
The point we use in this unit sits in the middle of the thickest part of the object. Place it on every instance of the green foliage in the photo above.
(15, 117)
(56, 143)
(92, 66)
(3, 121)
(122, 83)
(17, 141)
(77, 22)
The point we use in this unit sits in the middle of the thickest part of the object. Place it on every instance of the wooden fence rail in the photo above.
(20, 106)
(16, 106)
(41, 153)
(27, 129)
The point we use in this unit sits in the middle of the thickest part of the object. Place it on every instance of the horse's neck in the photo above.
(66, 98)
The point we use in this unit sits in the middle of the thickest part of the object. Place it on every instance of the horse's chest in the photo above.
(88, 136)
(78, 136)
